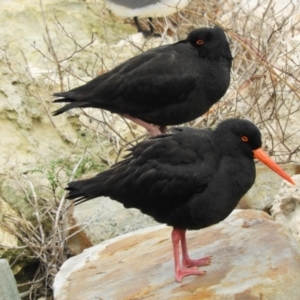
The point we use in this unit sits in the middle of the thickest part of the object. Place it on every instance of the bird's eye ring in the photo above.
(244, 138)
(199, 42)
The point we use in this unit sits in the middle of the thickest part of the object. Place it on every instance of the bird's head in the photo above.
(238, 138)
(210, 43)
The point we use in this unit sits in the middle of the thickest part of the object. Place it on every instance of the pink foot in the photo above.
(187, 262)
(189, 266)
(180, 273)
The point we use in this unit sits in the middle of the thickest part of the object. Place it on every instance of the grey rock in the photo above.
(8, 286)
(103, 218)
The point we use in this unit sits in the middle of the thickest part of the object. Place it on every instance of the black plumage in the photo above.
(189, 179)
(167, 85)
(168, 176)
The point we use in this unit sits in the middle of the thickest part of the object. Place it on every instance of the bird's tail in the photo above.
(67, 97)
(84, 190)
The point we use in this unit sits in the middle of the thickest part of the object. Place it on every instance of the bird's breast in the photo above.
(230, 182)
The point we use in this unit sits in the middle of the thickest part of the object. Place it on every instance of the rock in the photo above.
(8, 286)
(253, 258)
(267, 183)
(102, 219)
(8, 241)
(286, 206)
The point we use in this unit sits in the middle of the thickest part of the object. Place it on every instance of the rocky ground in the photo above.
(253, 257)
(50, 45)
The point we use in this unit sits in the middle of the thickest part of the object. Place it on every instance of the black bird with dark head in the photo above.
(168, 85)
(189, 179)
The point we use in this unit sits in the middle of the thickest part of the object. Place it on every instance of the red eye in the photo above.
(244, 138)
(199, 42)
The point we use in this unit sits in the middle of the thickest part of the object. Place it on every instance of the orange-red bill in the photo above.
(266, 159)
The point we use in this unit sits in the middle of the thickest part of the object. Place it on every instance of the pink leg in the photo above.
(181, 272)
(163, 129)
(153, 130)
(186, 261)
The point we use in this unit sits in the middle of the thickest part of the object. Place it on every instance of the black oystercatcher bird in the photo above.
(145, 9)
(190, 179)
(168, 85)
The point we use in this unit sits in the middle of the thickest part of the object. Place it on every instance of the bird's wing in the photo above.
(161, 79)
(155, 78)
(162, 172)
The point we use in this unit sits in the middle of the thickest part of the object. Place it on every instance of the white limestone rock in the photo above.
(267, 183)
(286, 206)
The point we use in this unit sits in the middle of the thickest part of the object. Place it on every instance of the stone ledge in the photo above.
(253, 258)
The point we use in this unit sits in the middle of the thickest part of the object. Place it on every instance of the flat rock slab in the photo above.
(253, 258)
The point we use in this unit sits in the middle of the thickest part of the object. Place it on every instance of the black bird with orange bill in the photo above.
(189, 179)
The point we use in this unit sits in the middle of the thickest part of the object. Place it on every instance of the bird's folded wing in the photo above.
(167, 167)
(146, 81)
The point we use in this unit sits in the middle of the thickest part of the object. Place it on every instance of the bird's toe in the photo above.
(187, 272)
(204, 261)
